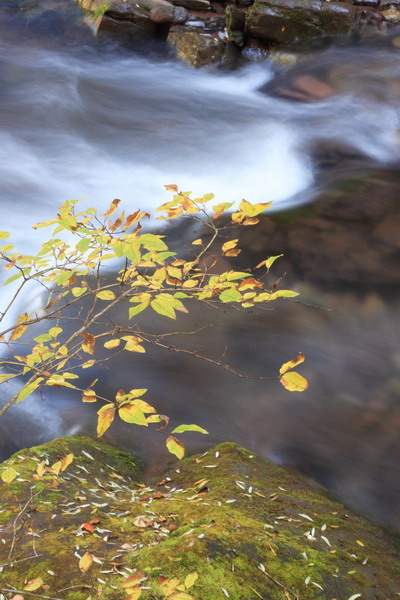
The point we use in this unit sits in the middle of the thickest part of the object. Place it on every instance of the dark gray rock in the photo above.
(288, 21)
(193, 4)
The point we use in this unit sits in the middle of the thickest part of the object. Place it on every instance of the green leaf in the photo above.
(183, 428)
(106, 295)
(45, 337)
(135, 310)
(28, 389)
(175, 447)
(84, 244)
(8, 475)
(13, 278)
(131, 413)
(230, 296)
(152, 242)
(270, 261)
(163, 304)
(55, 331)
(284, 294)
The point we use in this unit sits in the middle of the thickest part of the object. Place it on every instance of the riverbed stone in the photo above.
(131, 21)
(240, 523)
(196, 47)
(193, 4)
(288, 21)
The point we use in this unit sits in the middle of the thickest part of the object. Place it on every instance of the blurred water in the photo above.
(79, 121)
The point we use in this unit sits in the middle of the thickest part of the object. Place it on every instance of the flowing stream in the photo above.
(82, 121)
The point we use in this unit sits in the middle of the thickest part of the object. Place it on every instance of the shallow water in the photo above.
(83, 121)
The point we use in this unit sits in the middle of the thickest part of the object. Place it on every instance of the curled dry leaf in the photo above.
(291, 363)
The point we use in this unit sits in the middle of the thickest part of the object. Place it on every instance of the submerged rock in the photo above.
(246, 527)
(196, 47)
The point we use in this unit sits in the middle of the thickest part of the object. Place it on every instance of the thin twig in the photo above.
(278, 583)
(13, 562)
(25, 593)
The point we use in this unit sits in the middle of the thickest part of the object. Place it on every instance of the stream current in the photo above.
(78, 120)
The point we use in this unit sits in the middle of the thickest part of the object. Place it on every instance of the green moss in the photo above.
(248, 512)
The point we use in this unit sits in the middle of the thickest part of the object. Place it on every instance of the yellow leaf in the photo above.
(112, 343)
(191, 579)
(170, 585)
(8, 475)
(291, 363)
(133, 343)
(86, 562)
(198, 242)
(360, 543)
(134, 593)
(34, 584)
(56, 468)
(175, 447)
(229, 245)
(66, 461)
(41, 469)
(106, 417)
(180, 596)
(106, 295)
(89, 396)
(294, 382)
(144, 406)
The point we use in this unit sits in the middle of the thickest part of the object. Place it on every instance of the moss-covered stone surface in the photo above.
(247, 528)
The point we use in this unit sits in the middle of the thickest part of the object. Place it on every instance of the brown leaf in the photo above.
(251, 221)
(171, 188)
(88, 527)
(88, 345)
(19, 331)
(113, 207)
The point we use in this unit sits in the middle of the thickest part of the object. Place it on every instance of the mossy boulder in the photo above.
(247, 528)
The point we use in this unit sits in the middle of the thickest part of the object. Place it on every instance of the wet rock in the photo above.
(194, 4)
(196, 48)
(392, 14)
(288, 21)
(235, 24)
(131, 21)
(258, 524)
(126, 32)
